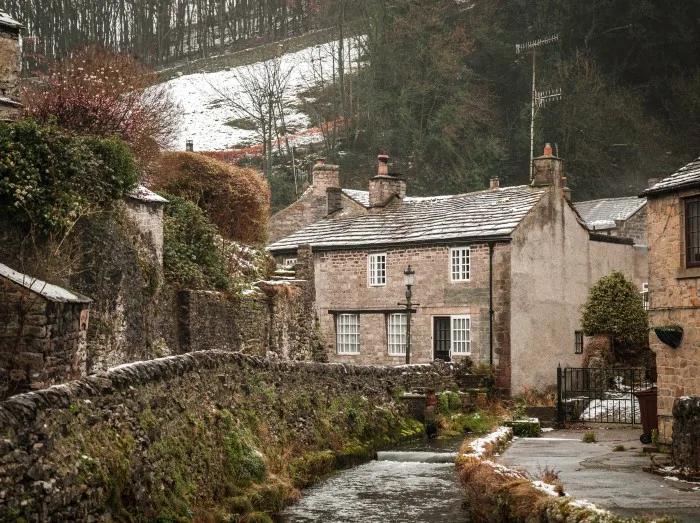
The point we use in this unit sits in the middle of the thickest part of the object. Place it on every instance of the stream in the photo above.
(415, 483)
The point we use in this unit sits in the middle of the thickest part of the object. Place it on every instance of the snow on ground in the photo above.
(619, 407)
(205, 113)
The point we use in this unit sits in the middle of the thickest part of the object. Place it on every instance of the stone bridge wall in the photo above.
(117, 440)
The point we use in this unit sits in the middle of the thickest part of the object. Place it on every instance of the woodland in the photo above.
(441, 87)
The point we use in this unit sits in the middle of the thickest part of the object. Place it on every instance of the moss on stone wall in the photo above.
(209, 436)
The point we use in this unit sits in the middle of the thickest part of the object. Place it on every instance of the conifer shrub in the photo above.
(49, 179)
(615, 309)
(236, 199)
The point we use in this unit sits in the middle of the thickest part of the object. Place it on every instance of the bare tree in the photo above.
(259, 91)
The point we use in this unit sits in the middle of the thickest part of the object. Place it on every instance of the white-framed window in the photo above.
(348, 333)
(396, 334)
(290, 262)
(459, 263)
(645, 295)
(376, 269)
(461, 334)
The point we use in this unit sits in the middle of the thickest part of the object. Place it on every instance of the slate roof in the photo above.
(7, 21)
(686, 176)
(361, 197)
(601, 214)
(47, 290)
(144, 194)
(477, 215)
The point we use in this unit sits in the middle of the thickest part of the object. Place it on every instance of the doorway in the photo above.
(441, 338)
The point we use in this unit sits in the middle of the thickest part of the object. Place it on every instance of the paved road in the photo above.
(614, 480)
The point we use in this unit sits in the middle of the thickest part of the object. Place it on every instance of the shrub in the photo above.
(236, 199)
(589, 437)
(615, 309)
(103, 93)
(49, 179)
(191, 256)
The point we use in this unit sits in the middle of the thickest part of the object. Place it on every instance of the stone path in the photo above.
(614, 480)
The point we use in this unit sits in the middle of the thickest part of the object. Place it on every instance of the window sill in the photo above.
(397, 355)
(376, 285)
(692, 272)
(348, 353)
(460, 281)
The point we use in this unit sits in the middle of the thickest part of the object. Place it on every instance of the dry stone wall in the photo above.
(41, 342)
(686, 433)
(92, 449)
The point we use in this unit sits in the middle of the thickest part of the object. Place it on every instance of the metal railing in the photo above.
(600, 395)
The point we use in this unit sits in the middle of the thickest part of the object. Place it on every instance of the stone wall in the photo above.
(635, 227)
(41, 342)
(10, 64)
(686, 434)
(275, 322)
(147, 219)
(341, 284)
(163, 437)
(673, 299)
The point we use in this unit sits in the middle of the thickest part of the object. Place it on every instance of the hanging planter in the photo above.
(671, 335)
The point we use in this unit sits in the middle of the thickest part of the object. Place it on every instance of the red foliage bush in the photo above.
(95, 91)
(237, 199)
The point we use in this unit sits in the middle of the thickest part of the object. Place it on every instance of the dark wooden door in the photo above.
(441, 338)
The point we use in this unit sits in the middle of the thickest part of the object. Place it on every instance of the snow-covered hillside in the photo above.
(207, 116)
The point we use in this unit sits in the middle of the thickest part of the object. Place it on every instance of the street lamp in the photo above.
(408, 280)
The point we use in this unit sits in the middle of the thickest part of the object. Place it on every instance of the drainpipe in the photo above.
(491, 244)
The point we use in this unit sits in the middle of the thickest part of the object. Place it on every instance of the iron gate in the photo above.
(600, 395)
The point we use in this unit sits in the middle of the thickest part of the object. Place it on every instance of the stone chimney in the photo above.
(565, 188)
(325, 175)
(547, 169)
(10, 67)
(383, 186)
(494, 183)
(334, 199)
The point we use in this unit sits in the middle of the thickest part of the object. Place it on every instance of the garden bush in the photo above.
(236, 199)
(49, 178)
(192, 254)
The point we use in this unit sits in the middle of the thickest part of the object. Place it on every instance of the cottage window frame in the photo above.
(376, 269)
(460, 335)
(645, 295)
(290, 262)
(460, 264)
(578, 342)
(396, 333)
(691, 215)
(347, 334)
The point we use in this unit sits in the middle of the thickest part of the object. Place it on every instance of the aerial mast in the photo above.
(539, 98)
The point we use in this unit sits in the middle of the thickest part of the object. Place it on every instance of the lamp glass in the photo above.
(408, 276)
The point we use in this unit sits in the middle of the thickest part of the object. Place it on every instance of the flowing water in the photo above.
(416, 483)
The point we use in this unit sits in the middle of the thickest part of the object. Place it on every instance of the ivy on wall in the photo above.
(50, 178)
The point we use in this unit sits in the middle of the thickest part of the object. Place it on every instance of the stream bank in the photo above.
(415, 482)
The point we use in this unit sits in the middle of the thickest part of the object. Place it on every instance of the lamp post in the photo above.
(408, 280)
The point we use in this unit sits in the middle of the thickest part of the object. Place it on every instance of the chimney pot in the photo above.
(383, 165)
(494, 183)
(320, 161)
(189, 146)
(547, 150)
(651, 182)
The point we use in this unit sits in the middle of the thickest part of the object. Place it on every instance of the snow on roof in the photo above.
(601, 214)
(361, 197)
(7, 21)
(144, 194)
(9, 101)
(686, 176)
(47, 290)
(483, 214)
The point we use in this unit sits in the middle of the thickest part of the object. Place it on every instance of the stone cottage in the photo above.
(674, 300)
(626, 217)
(43, 333)
(500, 274)
(10, 67)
